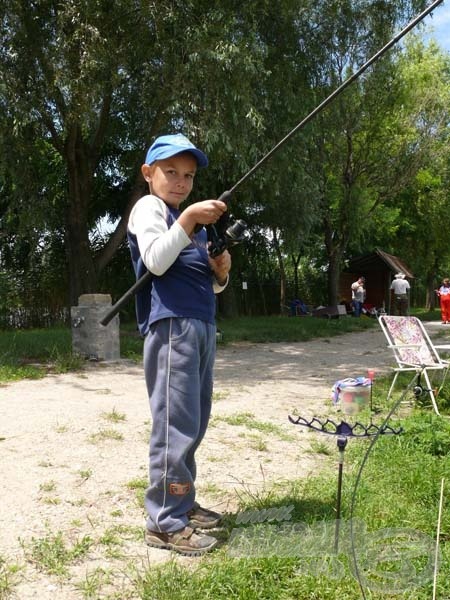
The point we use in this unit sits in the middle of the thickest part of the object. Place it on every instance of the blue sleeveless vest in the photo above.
(184, 290)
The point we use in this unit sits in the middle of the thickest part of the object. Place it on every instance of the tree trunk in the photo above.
(295, 263)
(334, 271)
(117, 236)
(226, 302)
(276, 246)
(432, 300)
(82, 272)
(334, 255)
(262, 297)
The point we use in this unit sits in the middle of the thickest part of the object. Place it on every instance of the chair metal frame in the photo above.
(414, 351)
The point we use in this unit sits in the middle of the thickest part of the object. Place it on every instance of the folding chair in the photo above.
(414, 351)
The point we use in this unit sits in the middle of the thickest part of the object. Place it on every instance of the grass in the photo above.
(248, 420)
(54, 555)
(85, 474)
(31, 354)
(139, 486)
(288, 329)
(105, 435)
(426, 315)
(395, 509)
(395, 506)
(10, 576)
(292, 560)
(292, 556)
(93, 582)
(113, 416)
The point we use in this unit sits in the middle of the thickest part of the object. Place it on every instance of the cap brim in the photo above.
(201, 158)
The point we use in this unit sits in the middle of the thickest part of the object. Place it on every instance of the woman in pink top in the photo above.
(444, 296)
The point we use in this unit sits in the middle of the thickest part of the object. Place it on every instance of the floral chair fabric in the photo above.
(414, 351)
(411, 342)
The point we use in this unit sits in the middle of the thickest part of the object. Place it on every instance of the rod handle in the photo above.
(112, 312)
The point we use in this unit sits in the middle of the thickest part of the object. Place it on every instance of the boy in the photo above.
(176, 314)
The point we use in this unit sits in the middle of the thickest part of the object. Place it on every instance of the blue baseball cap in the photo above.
(166, 146)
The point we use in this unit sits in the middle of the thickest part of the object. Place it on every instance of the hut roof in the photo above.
(376, 261)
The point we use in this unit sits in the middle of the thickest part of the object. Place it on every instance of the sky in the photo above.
(439, 21)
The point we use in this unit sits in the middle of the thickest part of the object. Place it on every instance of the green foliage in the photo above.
(30, 354)
(422, 203)
(427, 433)
(9, 577)
(52, 554)
(80, 100)
(399, 490)
(95, 99)
(288, 329)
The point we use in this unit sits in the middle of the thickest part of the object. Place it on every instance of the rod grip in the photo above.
(224, 197)
(112, 312)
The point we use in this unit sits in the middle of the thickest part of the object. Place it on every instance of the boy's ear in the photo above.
(146, 171)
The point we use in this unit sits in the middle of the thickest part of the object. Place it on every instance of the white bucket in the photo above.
(353, 399)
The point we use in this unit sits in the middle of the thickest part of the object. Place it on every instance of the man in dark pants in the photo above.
(400, 291)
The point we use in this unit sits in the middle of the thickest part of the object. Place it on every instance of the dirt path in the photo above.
(73, 446)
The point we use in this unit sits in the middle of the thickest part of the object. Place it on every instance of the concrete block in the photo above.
(90, 339)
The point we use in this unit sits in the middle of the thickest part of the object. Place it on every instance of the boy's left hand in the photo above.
(221, 266)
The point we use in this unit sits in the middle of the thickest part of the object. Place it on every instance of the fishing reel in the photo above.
(222, 236)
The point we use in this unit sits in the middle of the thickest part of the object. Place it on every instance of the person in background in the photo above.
(400, 290)
(444, 296)
(358, 296)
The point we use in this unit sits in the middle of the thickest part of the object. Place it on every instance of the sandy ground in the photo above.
(73, 447)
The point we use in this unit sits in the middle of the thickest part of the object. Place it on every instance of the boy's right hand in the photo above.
(205, 212)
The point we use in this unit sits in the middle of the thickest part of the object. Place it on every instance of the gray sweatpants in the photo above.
(178, 363)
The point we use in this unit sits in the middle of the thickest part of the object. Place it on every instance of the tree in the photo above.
(76, 81)
(363, 154)
(280, 197)
(353, 156)
(80, 101)
(420, 236)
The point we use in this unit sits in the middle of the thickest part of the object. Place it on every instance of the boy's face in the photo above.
(171, 179)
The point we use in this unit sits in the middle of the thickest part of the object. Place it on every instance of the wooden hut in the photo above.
(379, 269)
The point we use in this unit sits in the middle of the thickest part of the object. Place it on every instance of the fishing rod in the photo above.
(337, 91)
(222, 236)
